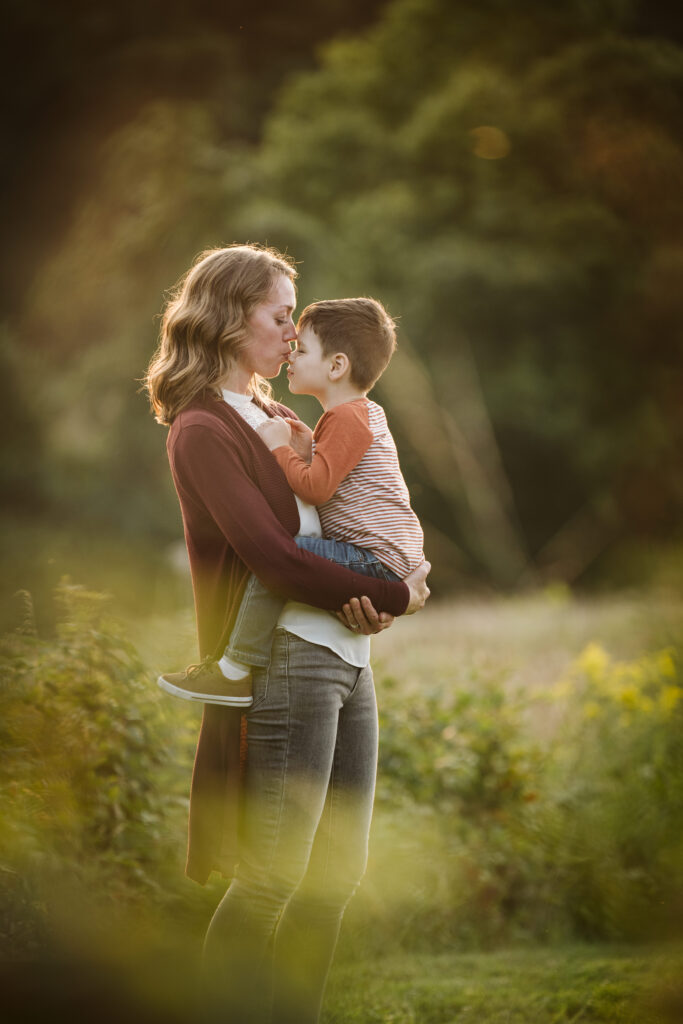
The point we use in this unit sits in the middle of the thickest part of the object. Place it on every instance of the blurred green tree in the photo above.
(507, 180)
(511, 187)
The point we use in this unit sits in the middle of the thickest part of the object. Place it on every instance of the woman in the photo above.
(311, 732)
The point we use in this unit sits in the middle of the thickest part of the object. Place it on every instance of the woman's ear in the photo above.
(339, 365)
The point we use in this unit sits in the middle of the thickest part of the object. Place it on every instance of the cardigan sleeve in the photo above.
(212, 473)
(342, 438)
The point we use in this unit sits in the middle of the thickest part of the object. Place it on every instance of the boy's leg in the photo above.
(357, 559)
(252, 634)
(208, 685)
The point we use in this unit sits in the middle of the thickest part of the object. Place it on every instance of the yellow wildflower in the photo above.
(594, 662)
(665, 664)
(629, 696)
(669, 697)
(635, 672)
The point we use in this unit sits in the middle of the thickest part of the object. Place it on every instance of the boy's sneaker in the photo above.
(206, 683)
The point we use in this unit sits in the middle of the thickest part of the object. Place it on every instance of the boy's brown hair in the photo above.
(361, 328)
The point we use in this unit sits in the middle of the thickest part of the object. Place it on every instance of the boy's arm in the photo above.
(342, 438)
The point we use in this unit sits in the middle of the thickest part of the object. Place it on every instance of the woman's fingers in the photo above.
(349, 613)
(381, 620)
(364, 615)
(360, 616)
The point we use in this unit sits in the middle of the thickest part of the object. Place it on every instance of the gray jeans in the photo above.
(312, 757)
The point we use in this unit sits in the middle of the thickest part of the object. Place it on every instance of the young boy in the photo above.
(350, 472)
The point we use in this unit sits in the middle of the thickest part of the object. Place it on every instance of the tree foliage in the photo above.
(508, 181)
(512, 190)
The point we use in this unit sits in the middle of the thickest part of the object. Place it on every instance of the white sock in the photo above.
(232, 669)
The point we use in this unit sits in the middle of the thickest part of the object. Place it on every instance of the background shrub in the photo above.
(91, 789)
(507, 810)
(492, 829)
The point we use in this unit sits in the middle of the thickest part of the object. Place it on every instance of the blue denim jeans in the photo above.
(252, 634)
(309, 789)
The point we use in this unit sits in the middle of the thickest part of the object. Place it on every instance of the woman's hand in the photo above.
(359, 616)
(417, 584)
(301, 439)
(275, 432)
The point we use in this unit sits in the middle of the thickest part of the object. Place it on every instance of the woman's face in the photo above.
(271, 331)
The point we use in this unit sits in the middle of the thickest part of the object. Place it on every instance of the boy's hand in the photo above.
(275, 432)
(301, 440)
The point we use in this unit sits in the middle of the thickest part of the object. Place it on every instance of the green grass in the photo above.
(568, 985)
(559, 985)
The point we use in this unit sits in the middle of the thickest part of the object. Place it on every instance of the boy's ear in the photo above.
(339, 365)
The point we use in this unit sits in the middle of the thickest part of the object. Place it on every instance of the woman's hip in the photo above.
(311, 679)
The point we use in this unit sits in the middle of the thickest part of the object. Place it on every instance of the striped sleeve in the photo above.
(342, 437)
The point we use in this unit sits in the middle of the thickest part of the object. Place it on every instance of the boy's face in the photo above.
(308, 372)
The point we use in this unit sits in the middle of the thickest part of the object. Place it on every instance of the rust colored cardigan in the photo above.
(240, 516)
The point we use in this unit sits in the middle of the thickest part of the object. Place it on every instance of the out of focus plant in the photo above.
(613, 805)
(577, 835)
(462, 758)
(86, 775)
(488, 828)
(460, 753)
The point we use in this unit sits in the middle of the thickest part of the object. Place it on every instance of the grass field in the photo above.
(567, 985)
(526, 640)
(563, 985)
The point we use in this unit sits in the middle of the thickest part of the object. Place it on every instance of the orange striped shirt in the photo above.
(355, 480)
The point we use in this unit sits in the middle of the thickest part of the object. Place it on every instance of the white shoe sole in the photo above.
(204, 698)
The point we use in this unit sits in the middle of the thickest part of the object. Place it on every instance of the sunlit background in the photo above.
(507, 178)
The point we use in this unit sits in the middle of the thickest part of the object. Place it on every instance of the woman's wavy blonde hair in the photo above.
(205, 325)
